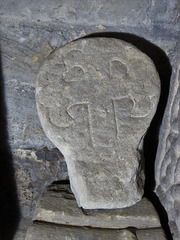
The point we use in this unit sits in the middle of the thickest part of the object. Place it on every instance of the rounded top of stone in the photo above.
(95, 71)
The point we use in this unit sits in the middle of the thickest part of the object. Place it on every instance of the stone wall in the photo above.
(167, 167)
(30, 31)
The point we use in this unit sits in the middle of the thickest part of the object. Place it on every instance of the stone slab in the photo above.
(56, 232)
(44, 231)
(96, 98)
(58, 205)
(151, 234)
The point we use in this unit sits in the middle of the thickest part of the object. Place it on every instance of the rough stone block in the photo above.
(96, 98)
(51, 232)
(58, 205)
(44, 231)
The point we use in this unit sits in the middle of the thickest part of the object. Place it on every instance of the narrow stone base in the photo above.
(57, 216)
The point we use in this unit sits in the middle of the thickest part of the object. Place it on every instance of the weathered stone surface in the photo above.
(50, 232)
(151, 234)
(44, 231)
(46, 167)
(167, 162)
(34, 170)
(95, 99)
(31, 30)
(58, 205)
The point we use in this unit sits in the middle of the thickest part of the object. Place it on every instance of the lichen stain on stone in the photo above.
(100, 27)
(82, 33)
(47, 47)
(48, 214)
(25, 191)
(72, 10)
(35, 58)
(49, 50)
(153, 3)
(29, 154)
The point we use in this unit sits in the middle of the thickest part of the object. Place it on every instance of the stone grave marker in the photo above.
(96, 98)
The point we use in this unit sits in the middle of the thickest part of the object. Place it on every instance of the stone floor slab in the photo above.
(51, 232)
(58, 205)
(151, 234)
(44, 231)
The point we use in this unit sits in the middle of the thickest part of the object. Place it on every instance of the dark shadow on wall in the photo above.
(164, 70)
(9, 205)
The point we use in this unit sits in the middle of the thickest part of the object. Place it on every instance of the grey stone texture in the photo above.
(35, 170)
(57, 216)
(167, 166)
(49, 232)
(58, 205)
(31, 30)
(96, 98)
(151, 234)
